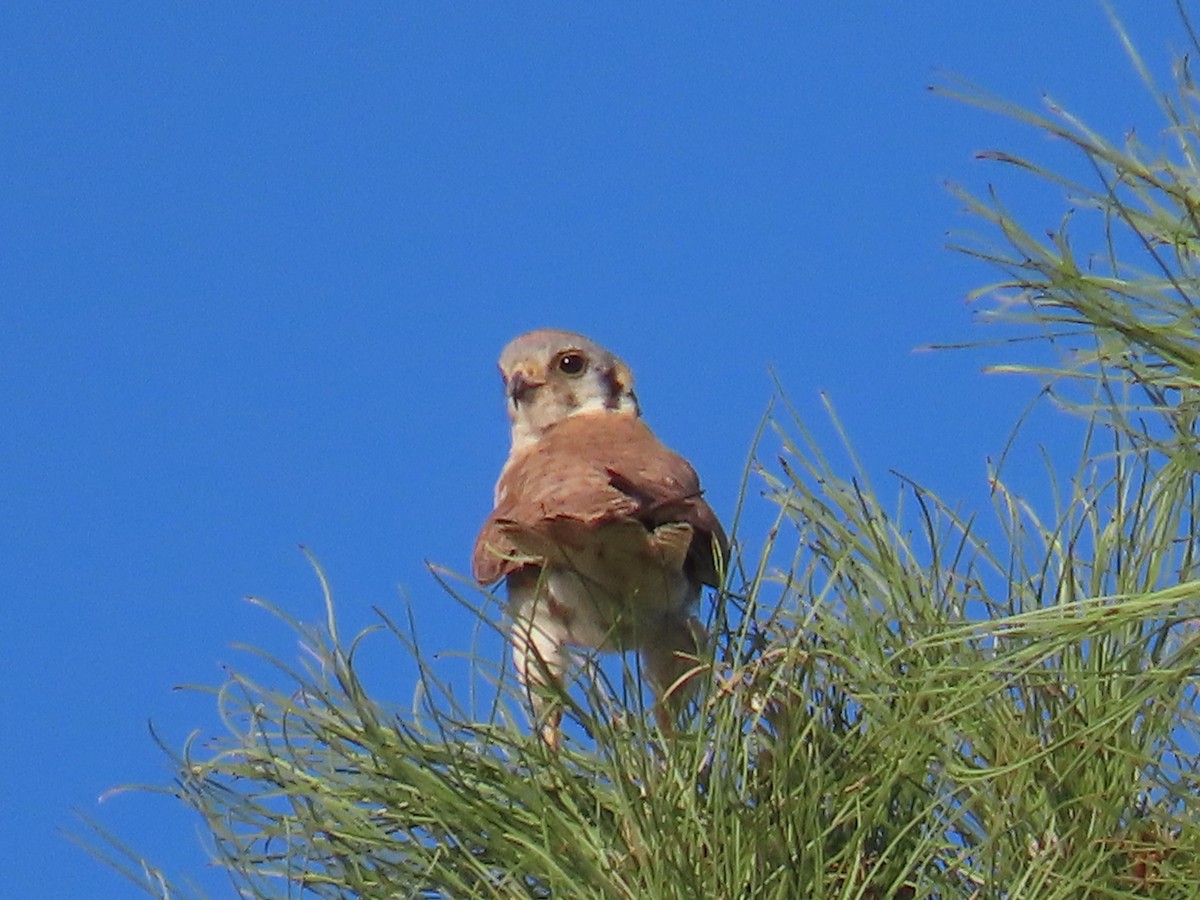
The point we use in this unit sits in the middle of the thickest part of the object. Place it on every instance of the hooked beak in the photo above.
(520, 386)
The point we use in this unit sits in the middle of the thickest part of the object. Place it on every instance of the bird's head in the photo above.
(550, 375)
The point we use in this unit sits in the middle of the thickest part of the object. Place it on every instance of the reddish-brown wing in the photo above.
(595, 468)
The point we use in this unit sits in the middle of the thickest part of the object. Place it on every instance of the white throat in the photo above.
(526, 432)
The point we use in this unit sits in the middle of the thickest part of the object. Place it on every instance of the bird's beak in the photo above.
(520, 386)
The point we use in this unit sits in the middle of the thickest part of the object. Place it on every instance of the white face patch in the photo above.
(594, 381)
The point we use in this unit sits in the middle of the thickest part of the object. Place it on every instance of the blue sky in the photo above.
(257, 262)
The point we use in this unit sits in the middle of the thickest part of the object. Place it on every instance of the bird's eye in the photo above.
(571, 363)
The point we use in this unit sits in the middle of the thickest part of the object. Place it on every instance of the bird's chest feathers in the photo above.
(606, 583)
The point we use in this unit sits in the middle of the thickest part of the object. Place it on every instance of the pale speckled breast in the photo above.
(608, 591)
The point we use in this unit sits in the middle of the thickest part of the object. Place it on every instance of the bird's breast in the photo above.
(606, 599)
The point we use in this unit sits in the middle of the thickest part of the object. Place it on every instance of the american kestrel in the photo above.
(599, 530)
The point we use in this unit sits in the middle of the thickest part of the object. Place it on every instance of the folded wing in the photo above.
(592, 470)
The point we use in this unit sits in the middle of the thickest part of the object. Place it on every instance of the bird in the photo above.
(600, 532)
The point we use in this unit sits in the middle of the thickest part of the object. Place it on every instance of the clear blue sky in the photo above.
(257, 261)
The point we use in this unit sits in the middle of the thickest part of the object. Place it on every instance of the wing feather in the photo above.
(596, 468)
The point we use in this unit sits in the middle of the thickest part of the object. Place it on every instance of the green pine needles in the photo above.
(905, 700)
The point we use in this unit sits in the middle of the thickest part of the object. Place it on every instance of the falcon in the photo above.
(600, 532)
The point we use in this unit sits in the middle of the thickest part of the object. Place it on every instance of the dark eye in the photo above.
(571, 363)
